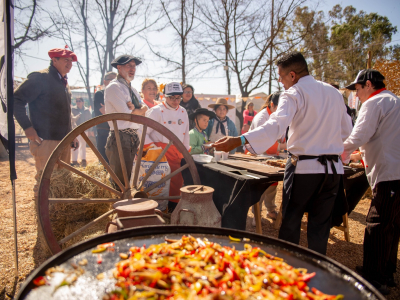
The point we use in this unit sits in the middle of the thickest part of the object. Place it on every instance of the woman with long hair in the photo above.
(189, 102)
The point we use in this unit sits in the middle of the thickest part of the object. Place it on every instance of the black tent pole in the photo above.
(10, 117)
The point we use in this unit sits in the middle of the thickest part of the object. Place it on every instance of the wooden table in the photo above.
(255, 165)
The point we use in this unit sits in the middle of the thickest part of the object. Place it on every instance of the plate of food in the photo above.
(182, 262)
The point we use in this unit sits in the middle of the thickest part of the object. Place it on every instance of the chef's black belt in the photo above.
(323, 159)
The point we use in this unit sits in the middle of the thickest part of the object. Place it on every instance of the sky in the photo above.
(36, 57)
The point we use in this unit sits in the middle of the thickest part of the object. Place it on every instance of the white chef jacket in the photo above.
(116, 97)
(317, 116)
(377, 133)
(176, 120)
(259, 119)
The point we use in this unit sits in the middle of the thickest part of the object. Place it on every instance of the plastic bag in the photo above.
(163, 169)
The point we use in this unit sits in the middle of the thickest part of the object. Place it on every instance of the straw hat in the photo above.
(221, 101)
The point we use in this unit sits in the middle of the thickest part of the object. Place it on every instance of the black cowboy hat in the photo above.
(202, 111)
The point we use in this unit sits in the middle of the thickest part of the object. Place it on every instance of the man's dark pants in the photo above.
(381, 238)
(101, 140)
(305, 198)
(129, 145)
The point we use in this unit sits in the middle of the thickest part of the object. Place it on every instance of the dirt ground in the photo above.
(30, 257)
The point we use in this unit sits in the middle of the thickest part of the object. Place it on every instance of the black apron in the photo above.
(340, 207)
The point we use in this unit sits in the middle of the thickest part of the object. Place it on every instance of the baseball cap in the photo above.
(363, 76)
(172, 89)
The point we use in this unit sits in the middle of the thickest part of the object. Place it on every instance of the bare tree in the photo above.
(71, 22)
(27, 27)
(217, 17)
(180, 18)
(121, 21)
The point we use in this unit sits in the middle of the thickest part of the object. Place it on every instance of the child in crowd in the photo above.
(198, 136)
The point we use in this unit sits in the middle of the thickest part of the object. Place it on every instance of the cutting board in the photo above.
(253, 167)
(246, 157)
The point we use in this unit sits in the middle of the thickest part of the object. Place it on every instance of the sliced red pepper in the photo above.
(106, 245)
(39, 281)
(301, 285)
(125, 273)
(164, 270)
(306, 277)
(99, 259)
(319, 293)
(153, 283)
(134, 249)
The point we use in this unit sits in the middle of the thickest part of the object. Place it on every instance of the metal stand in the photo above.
(15, 228)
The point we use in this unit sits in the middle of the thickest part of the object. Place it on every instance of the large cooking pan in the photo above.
(331, 278)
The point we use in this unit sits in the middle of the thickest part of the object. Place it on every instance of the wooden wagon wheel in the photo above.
(127, 191)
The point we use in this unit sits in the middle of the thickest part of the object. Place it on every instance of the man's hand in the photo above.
(102, 109)
(130, 105)
(32, 135)
(227, 144)
(140, 111)
(75, 144)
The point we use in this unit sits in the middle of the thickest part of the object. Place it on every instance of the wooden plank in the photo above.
(253, 167)
(91, 223)
(246, 157)
(103, 161)
(82, 200)
(121, 154)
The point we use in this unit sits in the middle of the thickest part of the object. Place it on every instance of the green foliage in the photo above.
(337, 47)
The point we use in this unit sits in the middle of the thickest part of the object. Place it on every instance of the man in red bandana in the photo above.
(377, 134)
(48, 97)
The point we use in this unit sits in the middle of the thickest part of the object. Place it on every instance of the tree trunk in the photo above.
(183, 42)
(85, 32)
(270, 49)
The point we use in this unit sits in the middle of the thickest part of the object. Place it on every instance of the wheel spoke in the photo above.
(139, 156)
(154, 185)
(121, 155)
(75, 233)
(95, 181)
(80, 200)
(154, 165)
(103, 161)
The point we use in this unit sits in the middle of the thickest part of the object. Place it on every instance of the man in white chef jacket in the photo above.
(316, 114)
(174, 117)
(377, 134)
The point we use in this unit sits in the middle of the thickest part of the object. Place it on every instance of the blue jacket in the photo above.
(231, 129)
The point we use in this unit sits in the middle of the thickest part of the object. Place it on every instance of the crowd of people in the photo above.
(309, 118)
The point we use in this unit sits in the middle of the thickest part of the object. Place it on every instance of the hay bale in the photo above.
(67, 218)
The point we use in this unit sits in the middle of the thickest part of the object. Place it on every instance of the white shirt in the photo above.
(377, 133)
(216, 136)
(116, 97)
(259, 119)
(316, 114)
(176, 120)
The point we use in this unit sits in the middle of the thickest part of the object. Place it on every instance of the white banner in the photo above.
(3, 74)
(3, 63)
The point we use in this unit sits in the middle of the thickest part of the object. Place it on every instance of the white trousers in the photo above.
(81, 151)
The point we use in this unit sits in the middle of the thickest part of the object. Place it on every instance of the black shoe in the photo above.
(381, 287)
(390, 282)
(75, 164)
(83, 163)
